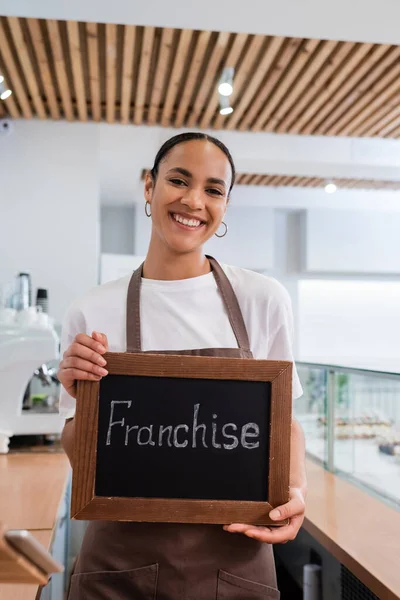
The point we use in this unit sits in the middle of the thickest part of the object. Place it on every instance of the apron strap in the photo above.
(133, 337)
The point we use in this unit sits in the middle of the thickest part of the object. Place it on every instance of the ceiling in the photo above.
(260, 179)
(315, 182)
(358, 20)
(162, 76)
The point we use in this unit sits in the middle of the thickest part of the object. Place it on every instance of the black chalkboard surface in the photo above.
(183, 438)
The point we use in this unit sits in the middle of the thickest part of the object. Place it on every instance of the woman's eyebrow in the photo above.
(181, 171)
(188, 174)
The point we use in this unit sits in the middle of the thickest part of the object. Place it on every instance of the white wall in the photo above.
(352, 242)
(350, 322)
(249, 242)
(117, 229)
(126, 150)
(49, 207)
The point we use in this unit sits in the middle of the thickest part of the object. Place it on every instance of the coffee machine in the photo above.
(26, 350)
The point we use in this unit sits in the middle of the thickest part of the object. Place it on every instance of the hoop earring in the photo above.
(225, 232)
(145, 208)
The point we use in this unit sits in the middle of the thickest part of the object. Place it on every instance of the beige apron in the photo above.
(163, 561)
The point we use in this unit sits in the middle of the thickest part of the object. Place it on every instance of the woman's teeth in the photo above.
(187, 222)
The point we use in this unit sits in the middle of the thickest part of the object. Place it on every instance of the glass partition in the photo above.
(351, 421)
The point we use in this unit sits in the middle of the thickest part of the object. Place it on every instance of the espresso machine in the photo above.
(28, 353)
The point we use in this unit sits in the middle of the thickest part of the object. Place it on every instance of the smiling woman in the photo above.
(188, 191)
(181, 301)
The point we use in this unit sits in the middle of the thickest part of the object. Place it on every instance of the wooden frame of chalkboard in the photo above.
(85, 504)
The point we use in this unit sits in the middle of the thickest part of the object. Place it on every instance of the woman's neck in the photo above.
(169, 265)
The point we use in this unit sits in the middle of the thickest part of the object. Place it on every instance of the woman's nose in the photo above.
(193, 199)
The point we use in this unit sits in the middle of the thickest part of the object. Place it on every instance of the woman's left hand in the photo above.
(293, 510)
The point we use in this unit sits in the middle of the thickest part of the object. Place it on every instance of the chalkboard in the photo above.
(183, 438)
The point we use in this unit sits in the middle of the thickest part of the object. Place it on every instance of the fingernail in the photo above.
(102, 372)
(275, 514)
(101, 361)
(100, 348)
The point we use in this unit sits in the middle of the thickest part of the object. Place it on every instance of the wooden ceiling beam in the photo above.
(369, 88)
(289, 50)
(111, 73)
(317, 59)
(232, 59)
(213, 68)
(94, 70)
(334, 89)
(313, 182)
(285, 84)
(376, 99)
(128, 58)
(246, 69)
(177, 70)
(389, 111)
(257, 179)
(43, 63)
(8, 107)
(261, 71)
(164, 56)
(355, 86)
(349, 55)
(59, 65)
(390, 128)
(195, 66)
(144, 69)
(316, 87)
(14, 80)
(76, 63)
(27, 67)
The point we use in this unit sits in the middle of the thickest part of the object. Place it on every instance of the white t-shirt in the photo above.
(187, 314)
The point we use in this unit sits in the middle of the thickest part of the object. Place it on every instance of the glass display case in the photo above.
(351, 421)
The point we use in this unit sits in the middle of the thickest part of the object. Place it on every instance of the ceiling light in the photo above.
(224, 107)
(330, 187)
(6, 94)
(225, 86)
(226, 111)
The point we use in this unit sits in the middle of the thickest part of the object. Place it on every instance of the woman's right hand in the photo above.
(83, 360)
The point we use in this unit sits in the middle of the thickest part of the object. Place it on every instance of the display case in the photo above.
(351, 421)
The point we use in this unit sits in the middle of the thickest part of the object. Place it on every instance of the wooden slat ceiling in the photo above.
(148, 75)
(309, 182)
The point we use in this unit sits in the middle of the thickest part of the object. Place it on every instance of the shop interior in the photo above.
(308, 102)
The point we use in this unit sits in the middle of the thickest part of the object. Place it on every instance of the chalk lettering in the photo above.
(160, 436)
(128, 430)
(214, 431)
(197, 427)
(176, 443)
(111, 422)
(150, 438)
(183, 435)
(235, 442)
(247, 433)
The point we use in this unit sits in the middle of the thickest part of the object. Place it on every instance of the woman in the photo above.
(183, 302)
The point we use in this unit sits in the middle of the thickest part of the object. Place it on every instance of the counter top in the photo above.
(32, 488)
(361, 532)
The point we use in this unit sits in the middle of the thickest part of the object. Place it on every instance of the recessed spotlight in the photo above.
(6, 94)
(330, 188)
(226, 111)
(225, 86)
